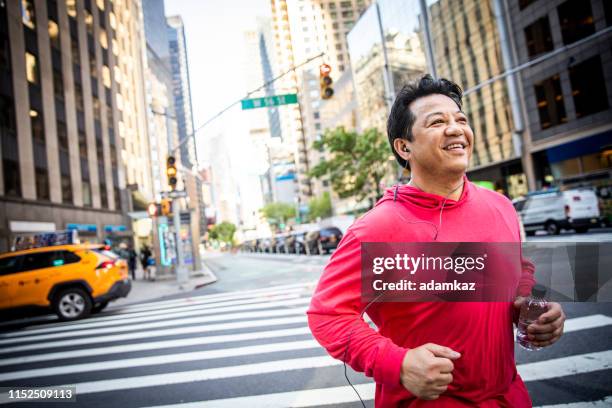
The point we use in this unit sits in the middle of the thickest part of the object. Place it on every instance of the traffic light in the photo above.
(325, 81)
(166, 207)
(153, 210)
(171, 172)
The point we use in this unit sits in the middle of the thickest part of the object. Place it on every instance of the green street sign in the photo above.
(269, 101)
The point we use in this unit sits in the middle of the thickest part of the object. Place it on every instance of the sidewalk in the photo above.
(164, 285)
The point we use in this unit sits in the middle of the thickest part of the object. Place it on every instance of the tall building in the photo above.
(303, 30)
(184, 119)
(567, 97)
(467, 49)
(270, 153)
(61, 167)
(164, 88)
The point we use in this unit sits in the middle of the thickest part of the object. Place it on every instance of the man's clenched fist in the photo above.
(427, 370)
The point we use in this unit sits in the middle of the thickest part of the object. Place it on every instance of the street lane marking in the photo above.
(154, 325)
(570, 365)
(292, 300)
(586, 322)
(529, 372)
(293, 399)
(119, 313)
(207, 374)
(156, 333)
(161, 359)
(606, 402)
(232, 294)
(127, 348)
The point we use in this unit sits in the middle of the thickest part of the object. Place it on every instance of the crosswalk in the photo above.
(246, 348)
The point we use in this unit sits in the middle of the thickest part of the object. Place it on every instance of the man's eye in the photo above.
(437, 121)
(462, 120)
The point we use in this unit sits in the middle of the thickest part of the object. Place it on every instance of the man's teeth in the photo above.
(454, 146)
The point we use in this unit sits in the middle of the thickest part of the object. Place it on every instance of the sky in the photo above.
(214, 34)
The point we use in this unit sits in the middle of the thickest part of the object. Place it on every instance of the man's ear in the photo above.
(402, 148)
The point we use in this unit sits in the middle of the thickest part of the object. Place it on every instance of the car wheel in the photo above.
(552, 228)
(72, 304)
(99, 307)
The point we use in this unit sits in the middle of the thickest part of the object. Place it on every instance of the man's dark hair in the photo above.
(401, 119)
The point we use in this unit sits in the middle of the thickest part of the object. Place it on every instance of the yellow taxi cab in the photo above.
(73, 280)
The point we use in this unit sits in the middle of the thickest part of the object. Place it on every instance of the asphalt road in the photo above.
(244, 342)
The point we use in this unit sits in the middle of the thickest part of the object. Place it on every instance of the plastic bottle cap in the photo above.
(538, 291)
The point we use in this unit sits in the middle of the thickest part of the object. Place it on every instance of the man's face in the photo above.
(442, 138)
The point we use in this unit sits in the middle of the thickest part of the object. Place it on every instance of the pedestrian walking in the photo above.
(132, 262)
(146, 258)
(458, 354)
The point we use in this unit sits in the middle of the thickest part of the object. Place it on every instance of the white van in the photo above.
(554, 210)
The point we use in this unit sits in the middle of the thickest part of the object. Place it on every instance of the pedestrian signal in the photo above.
(326, 82)
(153, 209)
(171, 172)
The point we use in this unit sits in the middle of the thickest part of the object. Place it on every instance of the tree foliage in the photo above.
(356, 164)
(223, 232)
(278, 213)
(320, 207)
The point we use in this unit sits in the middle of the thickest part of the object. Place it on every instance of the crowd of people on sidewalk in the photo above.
(146, 258)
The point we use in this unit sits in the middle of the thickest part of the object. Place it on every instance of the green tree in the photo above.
(356, 164)
(223, 232)
(278, 213)
(320, 207)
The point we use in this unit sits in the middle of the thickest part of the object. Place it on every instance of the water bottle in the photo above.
(531, 309)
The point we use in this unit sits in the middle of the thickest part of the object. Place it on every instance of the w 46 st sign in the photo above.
(269, 101)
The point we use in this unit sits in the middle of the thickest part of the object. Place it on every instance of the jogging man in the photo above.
(442, 354)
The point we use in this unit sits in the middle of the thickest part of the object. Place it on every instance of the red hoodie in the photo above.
(485, 375)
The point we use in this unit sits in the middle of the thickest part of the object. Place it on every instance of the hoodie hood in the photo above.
(414, 196)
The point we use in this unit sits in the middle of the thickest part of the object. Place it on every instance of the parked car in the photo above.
(72, 280)
(323, 240)
(555, 210)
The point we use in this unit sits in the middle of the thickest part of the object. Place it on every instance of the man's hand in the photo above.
(426, 370)
(549, 326)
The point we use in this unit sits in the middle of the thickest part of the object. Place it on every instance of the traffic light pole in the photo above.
(181, 271)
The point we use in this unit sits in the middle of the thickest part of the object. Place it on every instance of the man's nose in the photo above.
(453, 129)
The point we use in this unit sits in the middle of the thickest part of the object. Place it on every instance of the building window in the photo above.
(88, 22)
(86, 193)
(103, 195)
(345, 4)
(576, 20)
(31, 68)
(78, 97)
(58, 84)
(54, 34)
(82, 145)
(12, 179)
(549, 98)
(538, 37)
(347, 14)
(106, 76)
(66, 189)
(333, 15)
(71, 8)
(42, 183)
(28, 16)
(62, 135)
(38, 129)
(588, 87)
(103, 39)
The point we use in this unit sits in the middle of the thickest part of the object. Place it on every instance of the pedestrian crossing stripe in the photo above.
(554, 368)
(156, 345)
(158, 317)
(603, 403)
(295, 399)
(160, 324)
(157, 333)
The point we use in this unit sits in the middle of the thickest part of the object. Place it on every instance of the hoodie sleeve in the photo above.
(334, 317)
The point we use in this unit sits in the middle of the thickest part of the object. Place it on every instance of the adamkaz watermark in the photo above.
(482, 271)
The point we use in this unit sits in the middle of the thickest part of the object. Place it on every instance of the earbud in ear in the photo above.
(406, 149)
